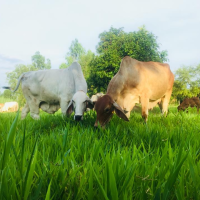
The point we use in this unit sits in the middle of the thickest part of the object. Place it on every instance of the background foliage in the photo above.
(187, 82)
(99, 68)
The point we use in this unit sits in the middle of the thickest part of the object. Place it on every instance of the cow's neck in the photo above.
(115, 88)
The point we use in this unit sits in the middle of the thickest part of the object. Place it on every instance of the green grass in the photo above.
(58, 158)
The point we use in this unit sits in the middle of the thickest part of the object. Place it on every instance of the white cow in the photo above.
(54, 89)
(95, 97)
(10, 107)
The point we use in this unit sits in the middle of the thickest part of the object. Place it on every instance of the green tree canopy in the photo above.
(116, 44)
(39, 61)
(79, 54)
(84, 61)
(63, 65)
(7, 94)
(187, 82)
(75, 52)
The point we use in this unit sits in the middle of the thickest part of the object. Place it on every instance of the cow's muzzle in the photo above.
(78, 117)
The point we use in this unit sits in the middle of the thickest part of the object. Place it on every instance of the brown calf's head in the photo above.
(105, 107)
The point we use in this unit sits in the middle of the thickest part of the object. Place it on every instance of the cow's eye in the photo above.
(107, 110)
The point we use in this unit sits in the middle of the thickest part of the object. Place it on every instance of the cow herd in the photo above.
(147, 83)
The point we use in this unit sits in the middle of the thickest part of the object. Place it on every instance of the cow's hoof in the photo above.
(35, 116)
(23, 117)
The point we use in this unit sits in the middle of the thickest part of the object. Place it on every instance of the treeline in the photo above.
(99, 68)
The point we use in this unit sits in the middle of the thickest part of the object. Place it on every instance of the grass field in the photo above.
(58, 158)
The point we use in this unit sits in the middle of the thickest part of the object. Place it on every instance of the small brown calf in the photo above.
(190, 102)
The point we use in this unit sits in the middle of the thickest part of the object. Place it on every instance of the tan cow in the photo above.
(10, 107)
(1, 105)
(190, 102)
(136, 82)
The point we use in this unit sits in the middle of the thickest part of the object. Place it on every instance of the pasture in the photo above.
(58, 158)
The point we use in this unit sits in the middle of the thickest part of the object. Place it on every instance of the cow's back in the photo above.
(54, 84)
(142, 77)
(48, 84)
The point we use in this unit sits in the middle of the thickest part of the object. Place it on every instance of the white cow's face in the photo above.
(80, 101)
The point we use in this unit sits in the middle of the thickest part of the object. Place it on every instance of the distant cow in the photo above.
(1, 105)
(136, 82)
(190, 102)
(54, 89)
(95, 97)
(10, 107)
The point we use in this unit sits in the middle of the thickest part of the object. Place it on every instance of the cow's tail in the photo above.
(18, 83)
(6, 87)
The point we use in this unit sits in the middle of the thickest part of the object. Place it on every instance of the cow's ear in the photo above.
(70, 108)
(119, 112)
(89, 103)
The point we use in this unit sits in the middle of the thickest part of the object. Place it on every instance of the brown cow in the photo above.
(136, 82)
(189, 102)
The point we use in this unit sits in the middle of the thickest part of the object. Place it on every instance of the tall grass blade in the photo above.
(113, 185)
(8, 143)
(30, 171)
(48, 192)
(101, 187)
(91, 192)
(173, 176)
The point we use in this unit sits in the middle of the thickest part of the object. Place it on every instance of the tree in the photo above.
(84, 61)
(187, 82)
(116, 44)
(63, 65)
(12, 78)
(39, 61)
(75, 52)
(79, 54)
(7, 94)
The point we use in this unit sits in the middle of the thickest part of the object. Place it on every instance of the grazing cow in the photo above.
(54, 89)
(10, 107)
(136, 82)
(190, 102)
(95, 97)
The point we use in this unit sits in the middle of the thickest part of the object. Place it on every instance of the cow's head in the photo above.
(180, 108)
(79, 103)
(185, 104)
(105, 107)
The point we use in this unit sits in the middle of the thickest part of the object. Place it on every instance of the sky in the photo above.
(49, 26)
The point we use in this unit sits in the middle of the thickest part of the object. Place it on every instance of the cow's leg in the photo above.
(25, 111)
(34, 108)
(160, 104)
(145, 106)
(165, 102)
(64, 106)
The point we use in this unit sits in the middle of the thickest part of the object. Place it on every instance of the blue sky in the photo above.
(27, 26)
